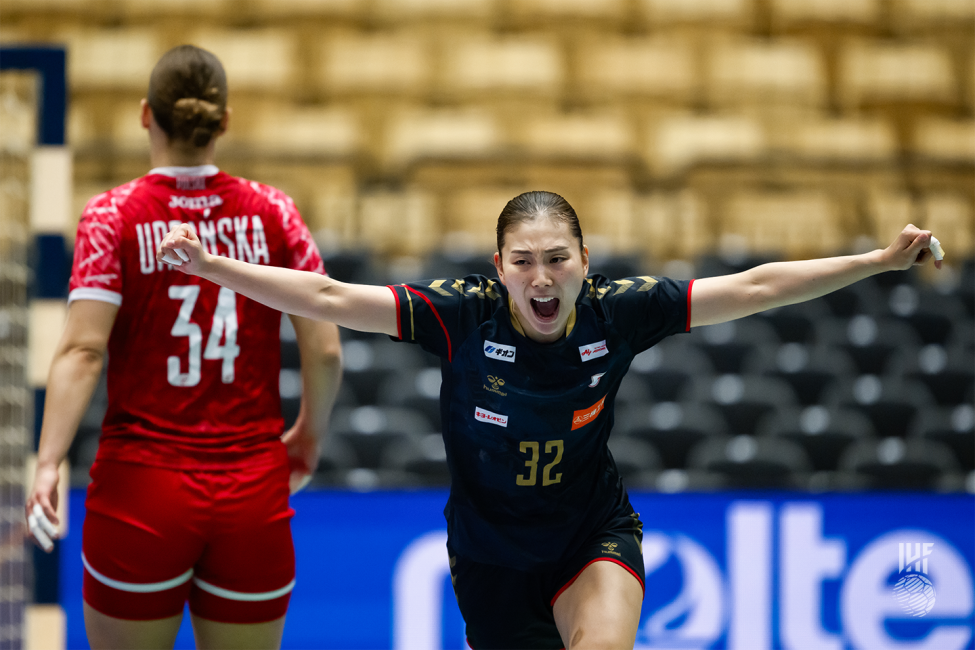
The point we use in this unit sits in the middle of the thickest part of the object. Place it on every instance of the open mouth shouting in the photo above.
(545, 309)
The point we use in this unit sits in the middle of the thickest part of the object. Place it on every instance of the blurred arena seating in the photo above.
(693, 138)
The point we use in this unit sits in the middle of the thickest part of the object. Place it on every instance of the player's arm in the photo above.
(73, 377)
(356, 306)
(724, 298)
(320, 350)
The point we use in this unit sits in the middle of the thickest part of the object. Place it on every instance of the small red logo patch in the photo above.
(583, 417)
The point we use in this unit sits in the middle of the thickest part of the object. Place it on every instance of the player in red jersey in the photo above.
(190, 486)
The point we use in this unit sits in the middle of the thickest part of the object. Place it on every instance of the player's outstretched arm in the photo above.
(356, 306)
(73, 377)
(727, 297)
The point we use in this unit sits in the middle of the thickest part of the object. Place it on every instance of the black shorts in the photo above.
(510, 609)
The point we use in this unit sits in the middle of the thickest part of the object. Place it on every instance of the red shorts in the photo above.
(154, 538)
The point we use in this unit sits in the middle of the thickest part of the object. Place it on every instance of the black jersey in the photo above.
(526, 424)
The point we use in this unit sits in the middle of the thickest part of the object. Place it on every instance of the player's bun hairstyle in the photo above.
(532, 205)
(188, 94)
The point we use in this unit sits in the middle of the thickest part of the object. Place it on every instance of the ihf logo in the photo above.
(914, 591)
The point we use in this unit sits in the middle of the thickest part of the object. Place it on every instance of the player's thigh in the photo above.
(139, 544)
(503, 608)
(247, 571)
(212, 635)
(107, 633)
(600, 609)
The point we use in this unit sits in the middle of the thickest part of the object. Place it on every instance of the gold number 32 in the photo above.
(532, 447)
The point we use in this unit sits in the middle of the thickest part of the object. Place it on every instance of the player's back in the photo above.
(193, 368)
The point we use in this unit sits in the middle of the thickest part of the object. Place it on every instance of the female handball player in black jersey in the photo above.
(544, 547)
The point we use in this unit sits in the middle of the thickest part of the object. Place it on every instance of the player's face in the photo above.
(543, 269)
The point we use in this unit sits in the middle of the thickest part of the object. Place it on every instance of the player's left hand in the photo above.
(913, 246)
(303, 449)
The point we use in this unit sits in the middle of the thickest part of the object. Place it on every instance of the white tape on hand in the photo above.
(936, 250)
(42, 519)
(41, 527)
(298, 481)
(169, 259)
(182, 254)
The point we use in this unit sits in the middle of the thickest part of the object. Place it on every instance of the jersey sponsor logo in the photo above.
(610, 548)
(595, 379)
(496, 384)
(584, 416)
(593, 350)
(483, 415)
(194, 202)
(500, 352)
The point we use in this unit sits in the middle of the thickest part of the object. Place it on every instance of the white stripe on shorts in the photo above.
(240, 595)
(135, 587)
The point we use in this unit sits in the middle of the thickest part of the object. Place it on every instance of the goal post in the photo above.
(35, 216)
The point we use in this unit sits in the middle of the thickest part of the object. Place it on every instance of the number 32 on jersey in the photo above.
(532, 447)
(224, 328)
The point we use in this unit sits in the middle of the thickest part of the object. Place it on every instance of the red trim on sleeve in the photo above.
(399, 326)
(599, 559)
(450, 353)
(690, 284)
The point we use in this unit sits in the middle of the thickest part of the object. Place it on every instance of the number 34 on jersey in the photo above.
(221, 344)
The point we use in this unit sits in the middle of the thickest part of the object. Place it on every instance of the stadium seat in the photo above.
(679, 142)
(795, 323)
(476, 64)
(893, 463)
(414, 388)
(633, 456)
(808, 370)
(638, 67)
(948, 372)
(877, 72)
(813, 229)
(873, 344)
(384, 63)
(930, 313)
(440, 134)
(726, 13)
(671, 481)
(748, 462)
(843, 141)
(421, 456)
(255, 59)
(940, 139)
(789, 12)
(673, 428)
(744, 400)
(822, 432)
(890, 402)
(369, 430)
(668, 368)
(578, 136)
(728, 344)
(951, 426)
(766, 71)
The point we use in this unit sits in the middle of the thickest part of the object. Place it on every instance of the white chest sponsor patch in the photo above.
(593, 350)
(501, 352)
(483, 415)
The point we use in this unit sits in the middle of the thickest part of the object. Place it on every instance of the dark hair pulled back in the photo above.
(533, 205)
(188, 94)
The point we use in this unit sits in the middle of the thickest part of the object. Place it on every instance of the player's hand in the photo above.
(913, 246)
(181, 248)
(303, 449)
(41, 508)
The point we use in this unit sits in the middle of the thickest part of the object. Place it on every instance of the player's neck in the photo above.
(174, 155)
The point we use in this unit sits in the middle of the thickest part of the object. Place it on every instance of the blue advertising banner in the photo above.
(743, 571)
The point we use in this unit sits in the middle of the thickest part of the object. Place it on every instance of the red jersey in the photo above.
(193, 368)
